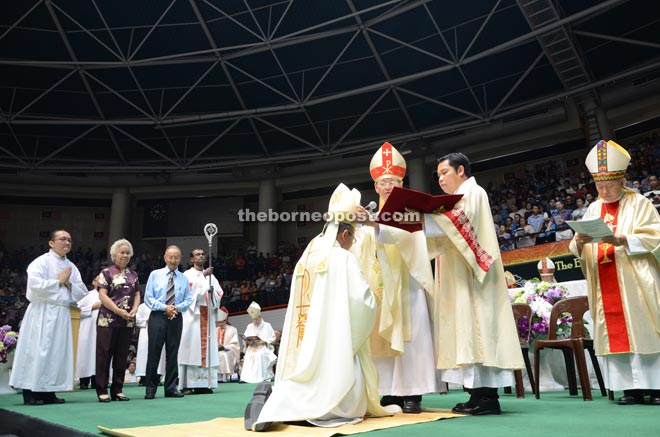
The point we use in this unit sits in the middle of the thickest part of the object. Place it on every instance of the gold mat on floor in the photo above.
(231, 427)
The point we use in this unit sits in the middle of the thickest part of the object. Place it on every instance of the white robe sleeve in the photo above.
(431, 227)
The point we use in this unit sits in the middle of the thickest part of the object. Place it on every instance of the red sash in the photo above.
(615, 318)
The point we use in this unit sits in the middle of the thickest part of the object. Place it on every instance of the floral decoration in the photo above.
(541, 296)
(8, 340)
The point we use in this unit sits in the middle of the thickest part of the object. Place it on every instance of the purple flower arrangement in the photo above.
(541, 296)
(8, 340)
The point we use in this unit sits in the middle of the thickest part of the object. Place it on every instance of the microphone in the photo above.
(371, 206)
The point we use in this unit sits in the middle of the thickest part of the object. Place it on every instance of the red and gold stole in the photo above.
(615, 318)
(203, 324)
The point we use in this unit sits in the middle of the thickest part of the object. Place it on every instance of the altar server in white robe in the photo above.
(229, 346)
(259, 355)
(141, 321)
(198, 350)
(43, 362)
(325, 374)
(86, 353)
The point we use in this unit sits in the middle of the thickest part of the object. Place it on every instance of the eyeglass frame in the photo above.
(390, 181)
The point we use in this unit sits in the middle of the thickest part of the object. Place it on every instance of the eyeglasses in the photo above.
(390, 182)
(62, 239)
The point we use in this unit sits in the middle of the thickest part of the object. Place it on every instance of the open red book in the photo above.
(401, 198)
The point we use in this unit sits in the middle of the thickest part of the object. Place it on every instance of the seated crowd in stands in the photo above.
(534, 205)
(531, 208)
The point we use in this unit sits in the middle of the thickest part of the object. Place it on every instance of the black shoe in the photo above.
(150, 395)
(103, 398)
(202, 391)
(54, 400)
(412, 404)
(461, 406)
(479, 407)
(120, 397)
(655, 397)
(631, 397)
(391, 400)
(174, 394)
(256, 404)
(33, 402)
(187, 391)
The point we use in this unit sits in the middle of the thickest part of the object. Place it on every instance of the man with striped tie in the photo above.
(167, 294)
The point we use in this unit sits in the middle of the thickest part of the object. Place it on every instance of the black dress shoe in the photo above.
(630, 400)
(202, 391)
(120, 397)
(411, 406)
(34, 402)
(54, 400)
(391, 400)
(479, 407)
(174, 394)
(150, 396)
(461, 406)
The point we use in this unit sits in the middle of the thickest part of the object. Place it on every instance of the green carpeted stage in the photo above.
(556, 413)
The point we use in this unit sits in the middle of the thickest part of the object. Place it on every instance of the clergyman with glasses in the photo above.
(43, 364)
(398, 269)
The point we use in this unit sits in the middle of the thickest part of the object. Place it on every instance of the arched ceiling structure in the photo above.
(192, 86)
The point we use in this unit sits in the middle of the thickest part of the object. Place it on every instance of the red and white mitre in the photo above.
(387, 162)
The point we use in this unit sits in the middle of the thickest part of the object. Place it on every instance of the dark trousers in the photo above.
(46, 396)
(85, 382)
(111, 345)
(168, 332)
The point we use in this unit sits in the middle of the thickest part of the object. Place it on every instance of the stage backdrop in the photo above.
(523, 262)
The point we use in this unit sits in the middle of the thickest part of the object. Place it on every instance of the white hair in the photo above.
(117, 244)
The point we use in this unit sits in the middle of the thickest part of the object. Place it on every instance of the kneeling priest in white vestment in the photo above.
(325, 374)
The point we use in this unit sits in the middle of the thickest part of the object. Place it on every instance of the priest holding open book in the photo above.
(623, 274)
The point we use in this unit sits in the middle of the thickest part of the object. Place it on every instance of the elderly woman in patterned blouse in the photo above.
(120, 295)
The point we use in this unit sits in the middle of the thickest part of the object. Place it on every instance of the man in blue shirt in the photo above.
(167, 294)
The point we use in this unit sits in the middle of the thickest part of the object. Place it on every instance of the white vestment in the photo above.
(86, 355)
(44, 352)
(325, 374)
(258, 361)
(229, 357)
(475, 332)
(413, 371)
(195, 358)
(637, 271)
(141, 321)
